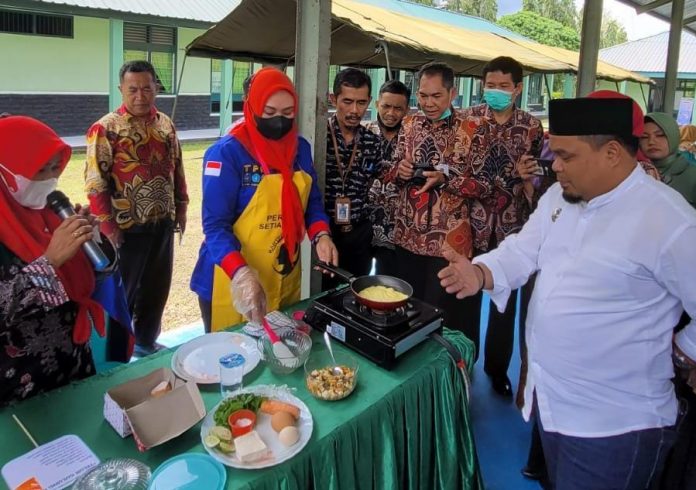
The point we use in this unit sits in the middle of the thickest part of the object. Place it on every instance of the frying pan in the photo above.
(359, 283)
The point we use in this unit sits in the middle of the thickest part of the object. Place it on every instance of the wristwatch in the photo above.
(319, 235)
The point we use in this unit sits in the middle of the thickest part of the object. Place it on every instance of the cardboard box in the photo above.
(130, 408)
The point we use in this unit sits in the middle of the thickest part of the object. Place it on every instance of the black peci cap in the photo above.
(585, 117)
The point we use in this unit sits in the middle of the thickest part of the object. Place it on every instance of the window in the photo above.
(411, 82)
(535, 94)
(215, 85)
(240, 71)
(333, 70)
(156, 44)
(687, 88)
(476, 91)
(17, 22)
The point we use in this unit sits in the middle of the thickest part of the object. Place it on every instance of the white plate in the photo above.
(199, 359)
(278, 452)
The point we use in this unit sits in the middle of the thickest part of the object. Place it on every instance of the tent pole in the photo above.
(589, 46)
(226, 95)
(312, 54)
(385, 48)
(178, 87)
(673, 56)
(645, 99)
(115, 62)
(548, 88)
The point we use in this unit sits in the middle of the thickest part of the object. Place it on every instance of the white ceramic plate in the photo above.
(277, 451)
(199, 359)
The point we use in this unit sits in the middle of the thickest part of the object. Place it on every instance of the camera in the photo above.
(544, 168)
(418, 177)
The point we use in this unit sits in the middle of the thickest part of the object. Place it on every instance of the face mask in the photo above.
(274, 127)
(32, 193)
(445, 114)
(498, 100)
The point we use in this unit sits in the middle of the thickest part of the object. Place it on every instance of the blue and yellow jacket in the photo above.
(230, 178)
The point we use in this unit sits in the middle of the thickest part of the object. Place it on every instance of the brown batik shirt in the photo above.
(493, 156)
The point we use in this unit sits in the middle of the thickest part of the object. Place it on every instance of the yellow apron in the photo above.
(259, 232)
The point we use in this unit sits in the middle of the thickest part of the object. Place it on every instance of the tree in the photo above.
(486, 9)
(562, 11)
(613, 33)
(541, 29)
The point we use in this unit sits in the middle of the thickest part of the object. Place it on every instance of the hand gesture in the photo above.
(460, 277)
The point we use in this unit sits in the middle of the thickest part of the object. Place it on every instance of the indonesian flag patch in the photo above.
(213, 168)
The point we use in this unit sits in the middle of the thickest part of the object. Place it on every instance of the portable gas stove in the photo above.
(380, 336)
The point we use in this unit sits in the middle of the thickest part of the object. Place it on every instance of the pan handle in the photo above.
(342, 273)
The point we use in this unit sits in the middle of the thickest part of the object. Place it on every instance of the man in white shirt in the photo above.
(616, 267)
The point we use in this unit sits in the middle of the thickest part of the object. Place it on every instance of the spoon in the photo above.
(337, 371)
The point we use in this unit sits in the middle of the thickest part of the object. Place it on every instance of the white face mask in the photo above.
(32, 193)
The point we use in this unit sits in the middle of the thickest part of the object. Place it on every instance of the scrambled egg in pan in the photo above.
(382, 293)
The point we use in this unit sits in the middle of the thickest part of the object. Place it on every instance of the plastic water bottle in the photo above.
(231, 374)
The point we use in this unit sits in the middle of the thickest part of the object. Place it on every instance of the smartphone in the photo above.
(544, 168)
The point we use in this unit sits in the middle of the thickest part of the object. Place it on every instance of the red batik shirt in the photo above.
(134, 173)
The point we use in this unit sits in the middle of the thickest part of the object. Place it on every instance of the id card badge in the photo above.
(342, 211)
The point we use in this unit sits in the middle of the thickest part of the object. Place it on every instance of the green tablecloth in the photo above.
(405, 428)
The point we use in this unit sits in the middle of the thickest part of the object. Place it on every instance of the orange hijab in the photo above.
(278, 155)
(26, 145)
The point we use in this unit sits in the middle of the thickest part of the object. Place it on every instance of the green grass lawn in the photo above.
(182, 307)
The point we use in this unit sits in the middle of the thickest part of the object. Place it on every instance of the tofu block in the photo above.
(250, 447)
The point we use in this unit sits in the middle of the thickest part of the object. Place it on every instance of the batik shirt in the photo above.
(424, 223)
(36, 322)
(383, 195)
(493, 156)
(366, 166)
(134, 174)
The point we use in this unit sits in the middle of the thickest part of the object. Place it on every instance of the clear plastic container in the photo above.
(231, 374)
(115, 474)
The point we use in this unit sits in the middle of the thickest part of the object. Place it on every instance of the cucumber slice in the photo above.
(211, 441)
(222, 433)
(226, 447)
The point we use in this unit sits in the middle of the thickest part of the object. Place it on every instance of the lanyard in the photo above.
(343, 172)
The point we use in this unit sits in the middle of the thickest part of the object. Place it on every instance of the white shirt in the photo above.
(614, 275)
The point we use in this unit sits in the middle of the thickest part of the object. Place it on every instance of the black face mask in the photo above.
(274, 127)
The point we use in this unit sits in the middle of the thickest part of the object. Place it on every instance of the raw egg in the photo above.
(280, 420)
(289, 436)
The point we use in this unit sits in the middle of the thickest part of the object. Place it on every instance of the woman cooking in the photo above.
(660, 143)
(259, 196)
(46, 281)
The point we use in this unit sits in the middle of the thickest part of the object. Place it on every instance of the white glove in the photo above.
(248, 296)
